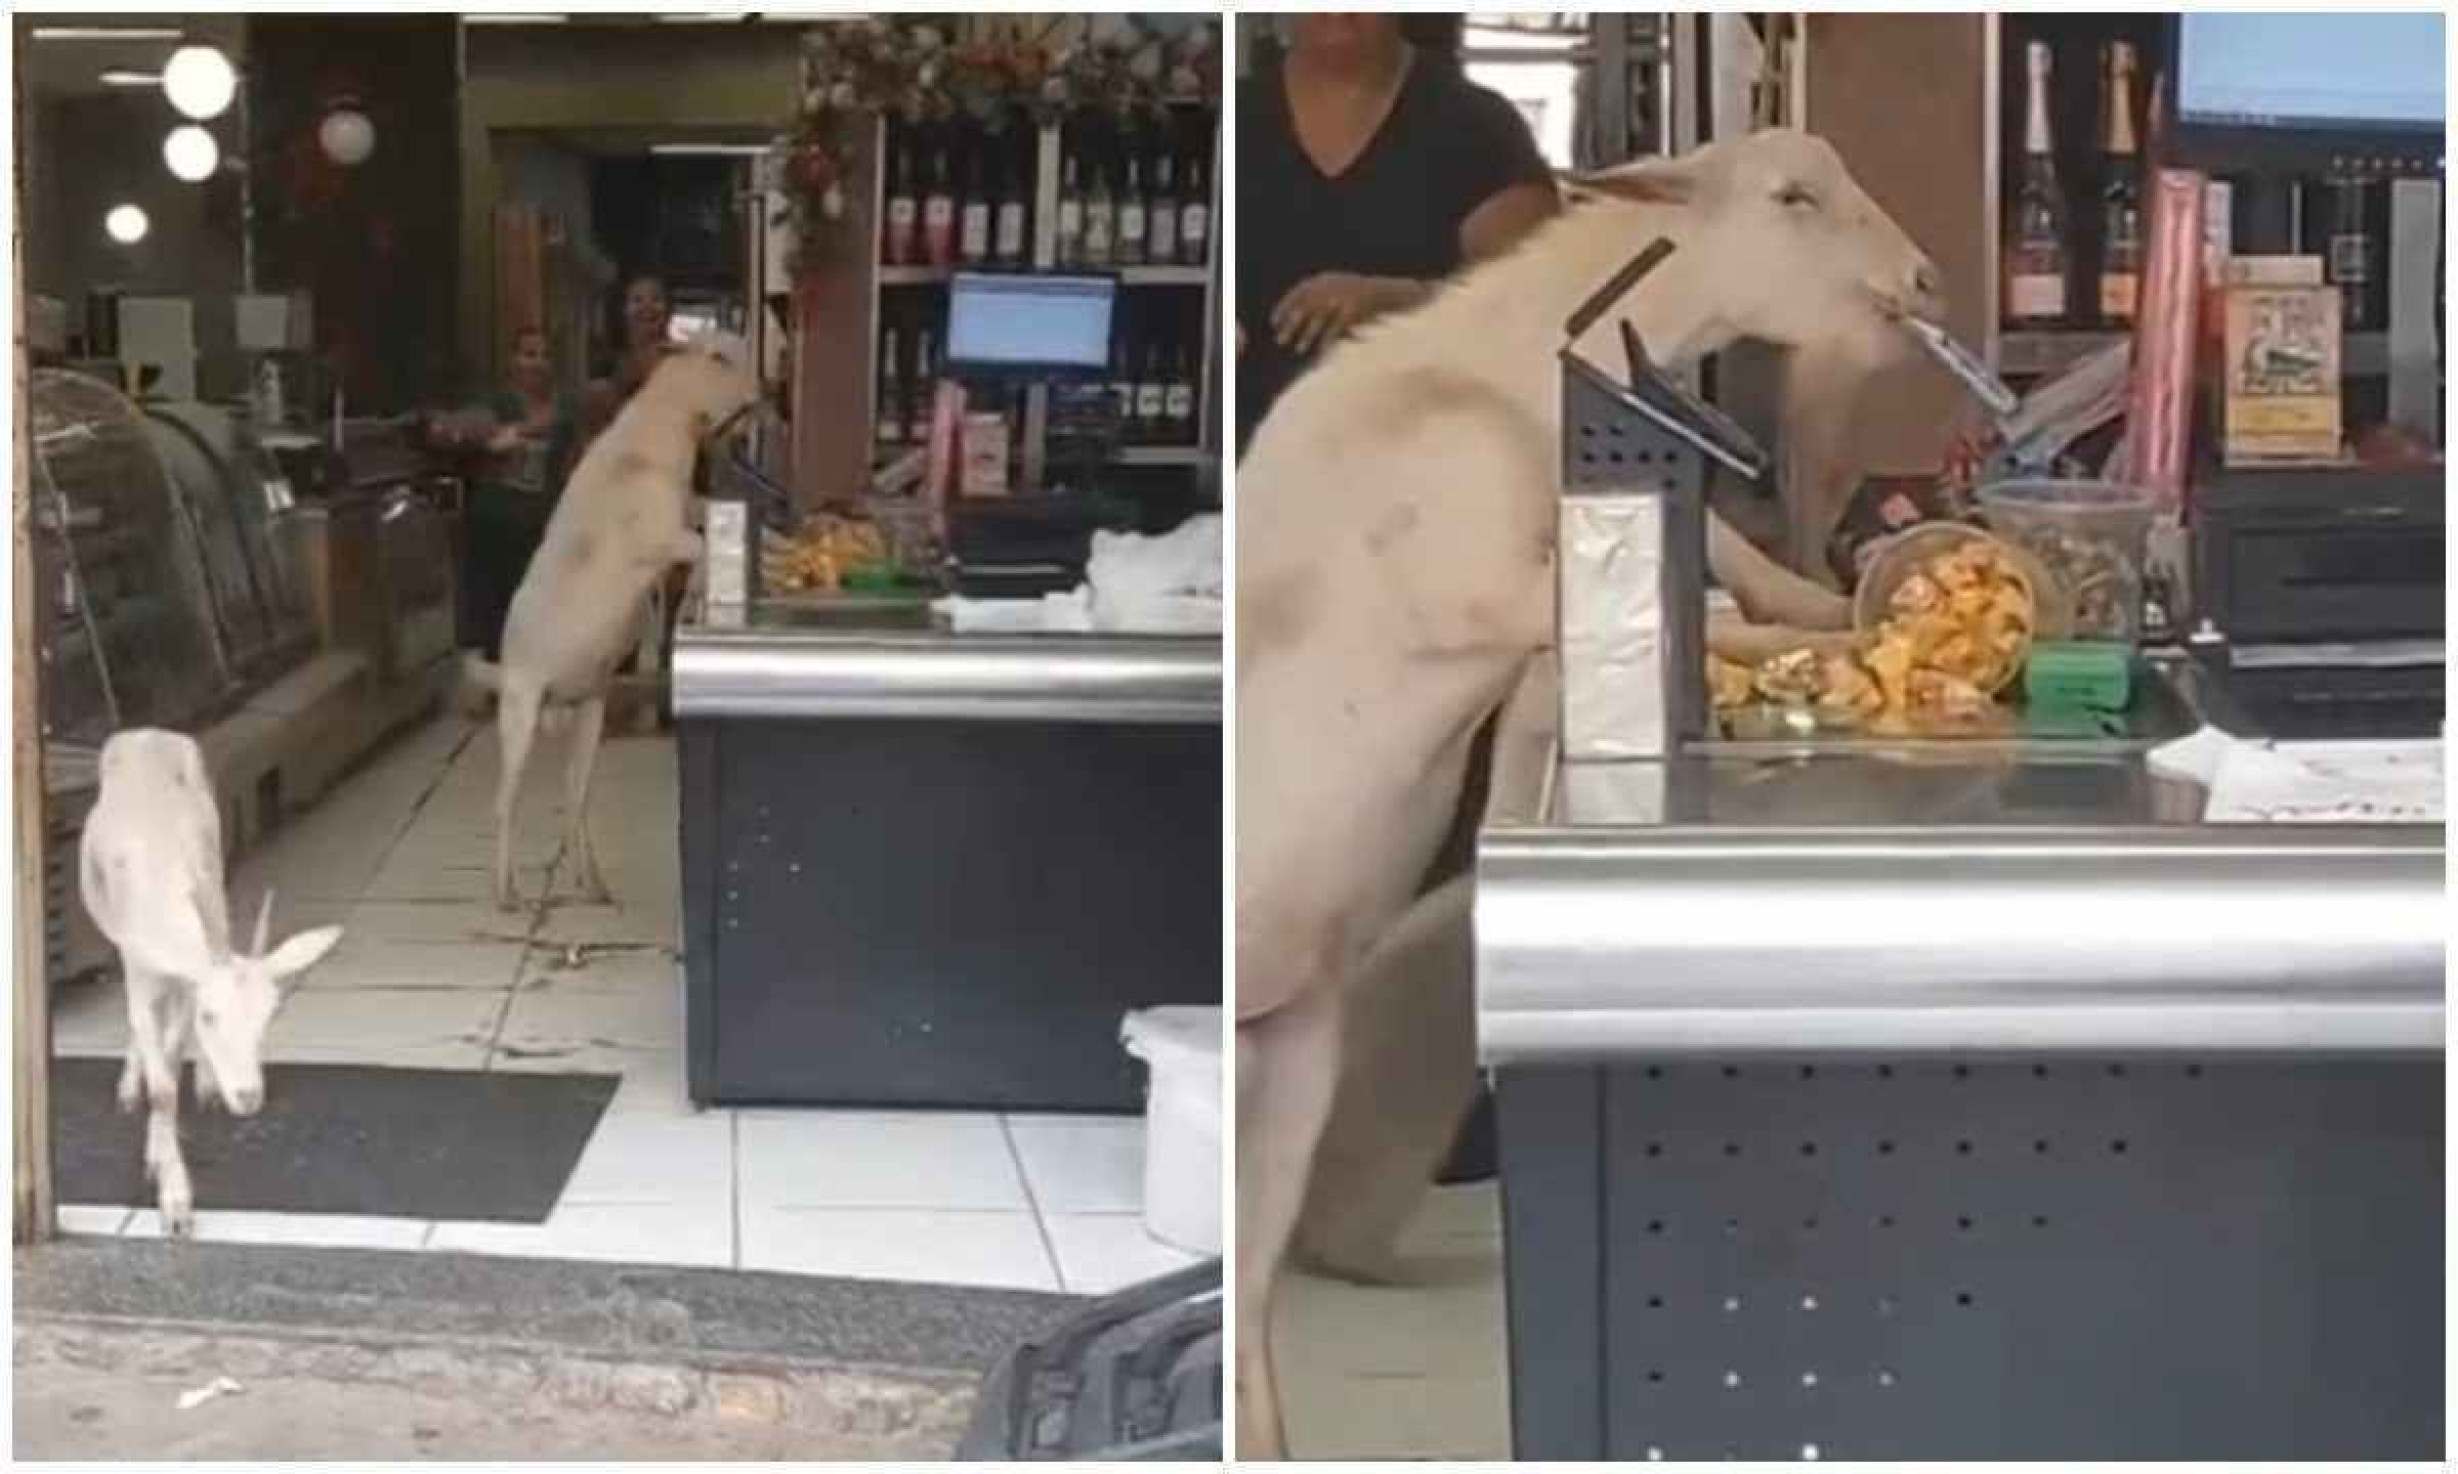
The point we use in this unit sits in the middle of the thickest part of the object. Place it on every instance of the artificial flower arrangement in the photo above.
(907, 67)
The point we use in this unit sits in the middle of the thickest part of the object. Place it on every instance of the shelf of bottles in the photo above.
(1093, 193)
(2075, 93)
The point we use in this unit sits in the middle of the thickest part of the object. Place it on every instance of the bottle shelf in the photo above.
(2032, 354)
(1133, 276)
(1160, 455)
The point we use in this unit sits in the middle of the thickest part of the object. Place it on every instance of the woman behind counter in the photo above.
(525, 435)
(1369, 168)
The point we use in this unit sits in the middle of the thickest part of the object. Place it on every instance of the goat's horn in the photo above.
(264, 924)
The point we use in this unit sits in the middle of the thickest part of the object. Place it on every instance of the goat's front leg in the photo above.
(144, 1066)
(1288, 1067)
(173, 1193)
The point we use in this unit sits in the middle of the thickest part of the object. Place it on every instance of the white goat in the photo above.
(1395, 527)
(622, 522)
(150, 871)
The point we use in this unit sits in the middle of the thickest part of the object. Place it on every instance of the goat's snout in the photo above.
(245, 1100)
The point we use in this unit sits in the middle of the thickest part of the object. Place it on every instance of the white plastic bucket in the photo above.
(1182, 1123)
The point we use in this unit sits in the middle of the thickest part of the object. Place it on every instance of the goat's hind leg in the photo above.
(588, 728)
(517, 708)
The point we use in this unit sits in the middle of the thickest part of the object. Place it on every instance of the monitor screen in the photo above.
(1029, 322)
(2368, 71)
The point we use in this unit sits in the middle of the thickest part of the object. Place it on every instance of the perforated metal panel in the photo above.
(1979, 1259)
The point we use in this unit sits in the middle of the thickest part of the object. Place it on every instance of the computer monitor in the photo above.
(2309, 93)
(1029, 326)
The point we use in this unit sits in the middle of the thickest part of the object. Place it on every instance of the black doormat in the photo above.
(456, 1144)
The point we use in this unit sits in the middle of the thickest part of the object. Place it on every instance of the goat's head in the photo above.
(712, 378)
(236, 998)
(1802, 252)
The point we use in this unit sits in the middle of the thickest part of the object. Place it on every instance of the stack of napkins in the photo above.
(2308, 782)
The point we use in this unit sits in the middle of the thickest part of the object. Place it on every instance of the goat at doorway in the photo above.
(150, 871)
(622, 522)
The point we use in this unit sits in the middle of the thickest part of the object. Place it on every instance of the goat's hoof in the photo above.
(131, 1096)
(507, 903)
(179, 1220)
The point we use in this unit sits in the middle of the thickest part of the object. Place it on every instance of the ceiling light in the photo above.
(123, 77)
(191, 153)
(199, 82)
(703, 17)
(126, 224)
(105, 33)
(500, 18)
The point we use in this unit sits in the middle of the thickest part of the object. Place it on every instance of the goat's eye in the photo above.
(1796, 197)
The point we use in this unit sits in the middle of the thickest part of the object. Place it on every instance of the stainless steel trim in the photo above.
(1612, 941)
(803, 675)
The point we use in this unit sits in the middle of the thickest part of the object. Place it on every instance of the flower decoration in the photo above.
(908, 68)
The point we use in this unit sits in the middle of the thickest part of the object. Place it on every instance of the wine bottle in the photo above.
(2351, 251)
(1071, 213)
(888, 413)
(903, 209)
(1122, 386)
(1100, 220)
(973, 216)
(1131, 217)
(2036, 243)
(1178, 405)
(1152, 393)
(1195, 218)
(921, 389)
(2120, 193)
(1161, 221)
(1011, 213)
(939, 215)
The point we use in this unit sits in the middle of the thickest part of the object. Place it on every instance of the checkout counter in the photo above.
(924, 868)
(1954, 1099)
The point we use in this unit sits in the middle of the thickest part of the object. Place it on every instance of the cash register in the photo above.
(1051, 332)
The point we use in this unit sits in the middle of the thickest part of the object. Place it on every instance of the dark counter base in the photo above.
(2137, 1259)
(901, 913)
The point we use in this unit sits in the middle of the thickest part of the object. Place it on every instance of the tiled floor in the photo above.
(1413, 1371)
(430, 974)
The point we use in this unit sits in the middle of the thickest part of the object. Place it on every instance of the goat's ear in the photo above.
(303, 951)
(1655, 182)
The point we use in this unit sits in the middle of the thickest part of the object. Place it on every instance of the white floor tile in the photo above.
(637, 1157)
(1002, 1249)
(1101, 1252)
(1083, 1164)
(456, 1055)
(561, 959)
(877, 1159)
(439, 923)
(653, 1085)
(377, 963)
(305, 1230)
(380, 1023)
(558, 1015)
(642, 918)
(575, 1059)
(698, 1233)
(98, 1220)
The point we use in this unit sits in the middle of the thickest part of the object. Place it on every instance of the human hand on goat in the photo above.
(1330, 304)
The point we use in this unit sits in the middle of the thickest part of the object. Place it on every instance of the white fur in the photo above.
(1394, 575)
(622, 522)
(150, 874)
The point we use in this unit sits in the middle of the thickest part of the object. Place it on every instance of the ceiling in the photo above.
(73, 68)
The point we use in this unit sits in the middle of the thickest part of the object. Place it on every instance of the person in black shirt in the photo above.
(1368, 170)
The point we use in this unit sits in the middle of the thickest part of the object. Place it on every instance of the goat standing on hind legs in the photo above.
(1395, 577)
(622, 522)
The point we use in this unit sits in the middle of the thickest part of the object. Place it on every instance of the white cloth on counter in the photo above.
(2308, 782)
(1133, 584)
